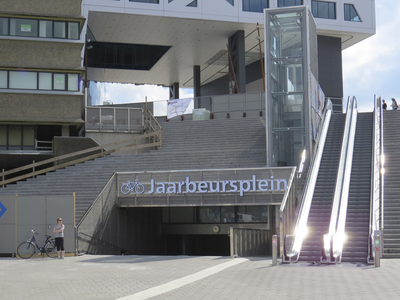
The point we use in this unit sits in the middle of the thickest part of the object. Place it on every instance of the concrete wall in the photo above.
(41, 108)
(104, 138)
(53, 7)
(66, 145)
(39, 54)
(23, 213)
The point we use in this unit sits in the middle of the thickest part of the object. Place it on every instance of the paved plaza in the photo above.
(192, 277)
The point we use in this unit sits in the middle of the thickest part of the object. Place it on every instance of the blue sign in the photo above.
(2, 209)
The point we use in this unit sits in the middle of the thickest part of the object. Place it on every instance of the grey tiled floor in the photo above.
(192, 277)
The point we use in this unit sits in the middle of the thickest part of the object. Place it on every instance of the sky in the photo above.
(370, 68)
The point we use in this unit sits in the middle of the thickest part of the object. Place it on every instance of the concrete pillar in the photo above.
(65, 130)
(237, 51)
(174, 91)
(196, 86)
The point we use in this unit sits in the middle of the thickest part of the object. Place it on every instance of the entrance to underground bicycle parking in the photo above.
(198, 212)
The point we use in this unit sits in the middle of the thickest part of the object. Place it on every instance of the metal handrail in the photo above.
(292, 243)
(115, 146)
(334, 239)
(376, 177)
(153, 128)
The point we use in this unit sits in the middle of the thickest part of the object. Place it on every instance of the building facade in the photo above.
(40, 78)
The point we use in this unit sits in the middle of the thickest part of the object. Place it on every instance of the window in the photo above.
(145, 1)
(231, 2)
(59, 81)
(284, 3)
(255, 5)
(39, 28)
(3, 26)
(23, 80)
(45, 81)
(59, 30)
(17, 137)
(192, 4)
(46, 29)
(3, 79)
(28, 80)
(324, 10)
(350, 13)
(24, 27)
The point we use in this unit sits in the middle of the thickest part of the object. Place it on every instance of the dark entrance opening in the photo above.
(197, 245)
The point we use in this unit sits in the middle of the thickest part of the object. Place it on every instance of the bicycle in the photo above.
(137, 187)
(26, 249)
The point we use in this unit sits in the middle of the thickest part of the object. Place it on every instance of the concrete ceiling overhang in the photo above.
(193, 42)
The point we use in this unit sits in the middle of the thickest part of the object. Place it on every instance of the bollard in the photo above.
(274, 250)
(377, 245)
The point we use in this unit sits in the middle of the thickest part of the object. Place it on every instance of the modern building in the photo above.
(230, 56)
(40, 77)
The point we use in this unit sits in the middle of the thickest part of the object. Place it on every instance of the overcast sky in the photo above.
(370, 67)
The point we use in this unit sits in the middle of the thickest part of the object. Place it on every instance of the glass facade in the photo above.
(39, 28)
(255, 5)
(216, 214)
(287, 87)
(323, 9)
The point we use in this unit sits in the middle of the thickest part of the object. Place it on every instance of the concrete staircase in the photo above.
(391, 233)
(187, 145)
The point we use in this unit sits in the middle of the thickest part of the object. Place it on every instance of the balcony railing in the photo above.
(115, 119)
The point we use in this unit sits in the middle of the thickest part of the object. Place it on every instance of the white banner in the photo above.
(177, 107)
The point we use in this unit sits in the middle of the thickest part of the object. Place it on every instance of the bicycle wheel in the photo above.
(26, 250)
(139, 188)
(50, 250)
(125, 188)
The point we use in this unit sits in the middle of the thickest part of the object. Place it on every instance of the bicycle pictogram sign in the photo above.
(132, 186)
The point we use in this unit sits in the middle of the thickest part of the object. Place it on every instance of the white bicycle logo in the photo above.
(132, 186)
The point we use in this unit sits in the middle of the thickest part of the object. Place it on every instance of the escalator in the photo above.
(355, 248)
(338, 216)
(320, 211)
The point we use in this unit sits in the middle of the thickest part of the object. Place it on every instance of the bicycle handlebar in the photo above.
(34, 231)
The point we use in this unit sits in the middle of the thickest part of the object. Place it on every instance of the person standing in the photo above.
(394, 104)
(59, 237)
(384, 105)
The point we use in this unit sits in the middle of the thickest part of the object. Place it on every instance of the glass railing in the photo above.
(377, 178)
(333, 241)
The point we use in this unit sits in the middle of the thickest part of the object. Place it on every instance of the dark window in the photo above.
(255, 5)
(17, 137)
(324, 10)
(284, 3)
(350, 13)
(231, 2)
(146, 1)
(192, 4)
(124, 56)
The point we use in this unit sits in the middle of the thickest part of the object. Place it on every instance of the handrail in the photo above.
(334, 239)
(115, 146)
(376, 177)
(292, 243)
(150, 128)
